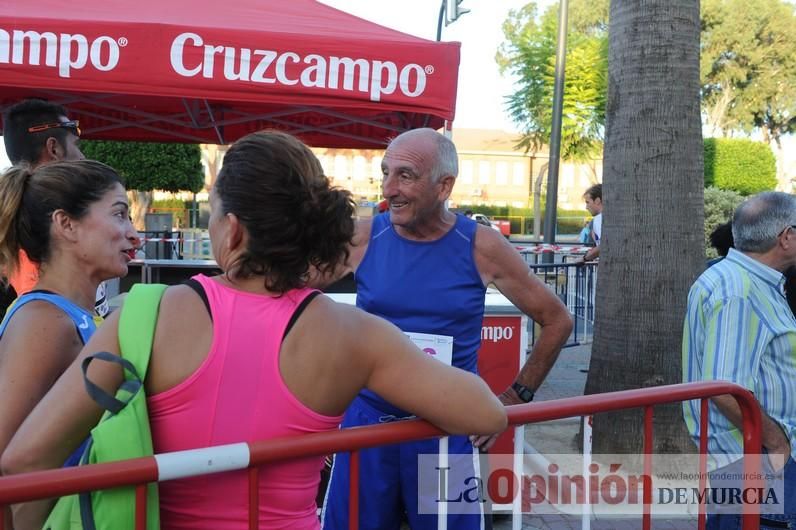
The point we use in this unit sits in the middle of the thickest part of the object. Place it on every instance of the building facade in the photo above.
(492, 171)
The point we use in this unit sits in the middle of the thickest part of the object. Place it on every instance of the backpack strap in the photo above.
(139, 315)
(132, 382)
(137, 324)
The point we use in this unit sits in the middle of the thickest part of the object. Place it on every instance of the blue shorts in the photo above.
(388, 482)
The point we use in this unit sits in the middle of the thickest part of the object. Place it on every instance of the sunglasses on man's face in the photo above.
(72, 125)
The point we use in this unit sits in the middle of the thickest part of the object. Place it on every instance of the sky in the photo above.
(482, 89)
(480, 101)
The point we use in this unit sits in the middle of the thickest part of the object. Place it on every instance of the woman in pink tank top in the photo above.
(254, 354)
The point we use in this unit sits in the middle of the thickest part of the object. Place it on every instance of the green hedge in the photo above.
(170, 204)
(180, 210)
(151, 166)
(740, 165)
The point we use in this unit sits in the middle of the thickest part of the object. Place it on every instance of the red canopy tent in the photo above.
(210, 72)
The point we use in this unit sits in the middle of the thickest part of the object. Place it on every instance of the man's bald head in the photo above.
(446, 160)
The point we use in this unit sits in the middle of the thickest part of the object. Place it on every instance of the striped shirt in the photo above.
(739, 328)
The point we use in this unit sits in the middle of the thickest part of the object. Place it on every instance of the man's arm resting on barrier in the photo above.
(455, 400)
(774, 439)
(499, 263)
(725, 326)
(592, 254)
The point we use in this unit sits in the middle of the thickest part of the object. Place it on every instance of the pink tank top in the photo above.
(238, 395)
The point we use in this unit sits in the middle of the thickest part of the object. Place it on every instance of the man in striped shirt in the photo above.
(739, 328)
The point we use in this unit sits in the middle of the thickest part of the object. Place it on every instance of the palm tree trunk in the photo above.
(653, 214)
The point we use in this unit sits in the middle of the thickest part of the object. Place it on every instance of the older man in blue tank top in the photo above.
(426, 269)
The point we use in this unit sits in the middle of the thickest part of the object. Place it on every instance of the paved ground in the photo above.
(567, 379)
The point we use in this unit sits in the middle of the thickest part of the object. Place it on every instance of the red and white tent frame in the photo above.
(208, 72)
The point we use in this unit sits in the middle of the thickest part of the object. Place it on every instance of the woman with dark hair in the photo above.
(255, 354)
(721, 239)
(71, 219)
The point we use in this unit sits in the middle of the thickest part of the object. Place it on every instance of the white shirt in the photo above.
(597, 227)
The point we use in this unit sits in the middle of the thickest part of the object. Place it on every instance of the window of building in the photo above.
(501, 173)
(360, 168)
(484, 170)
(518, 176)
(466, 172)
(341, 171)
(375, 168)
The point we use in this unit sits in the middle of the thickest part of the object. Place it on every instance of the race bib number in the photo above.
(439, 347)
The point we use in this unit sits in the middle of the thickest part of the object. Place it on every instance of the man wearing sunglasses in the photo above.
(739, 328)
(37, 132)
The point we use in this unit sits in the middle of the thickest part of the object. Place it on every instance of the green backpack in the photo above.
(123, 432)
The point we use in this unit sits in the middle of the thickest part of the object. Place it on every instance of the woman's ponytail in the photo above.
(12, 189)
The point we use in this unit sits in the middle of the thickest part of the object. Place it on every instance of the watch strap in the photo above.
(524, 393)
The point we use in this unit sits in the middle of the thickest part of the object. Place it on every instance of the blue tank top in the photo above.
(84, 324)
(84, 320)
(424, 287)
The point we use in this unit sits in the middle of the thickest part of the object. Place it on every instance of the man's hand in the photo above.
(485, 443)
(778, 455)
(775, 440)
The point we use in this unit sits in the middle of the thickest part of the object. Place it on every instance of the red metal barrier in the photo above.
(59, 482)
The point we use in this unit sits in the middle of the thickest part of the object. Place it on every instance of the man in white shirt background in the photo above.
(594, 204)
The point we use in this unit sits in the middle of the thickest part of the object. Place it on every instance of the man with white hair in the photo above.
(739, 328)
(425, 269)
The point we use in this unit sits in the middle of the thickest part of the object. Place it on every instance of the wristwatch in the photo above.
(525, 393)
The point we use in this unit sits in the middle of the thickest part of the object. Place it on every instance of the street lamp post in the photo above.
(449, 11)
(555, 130)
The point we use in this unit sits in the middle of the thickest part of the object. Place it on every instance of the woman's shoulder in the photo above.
(38, 314)
(343, 311)
(331, 321)
(182, 302)
(39, 322)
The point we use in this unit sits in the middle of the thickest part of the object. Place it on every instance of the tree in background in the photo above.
(741, 165)
(652, 246)
(529, 52)
(149, 166)
(748, 69)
